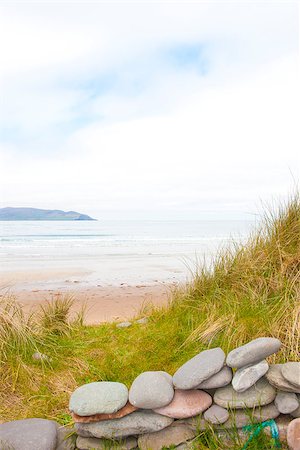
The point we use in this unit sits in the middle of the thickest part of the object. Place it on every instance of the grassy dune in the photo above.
(250, 290)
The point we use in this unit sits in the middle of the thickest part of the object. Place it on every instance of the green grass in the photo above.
(250, 290)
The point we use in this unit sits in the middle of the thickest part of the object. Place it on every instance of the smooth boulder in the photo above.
(291, 372)
(186, 404)
(296, 413)
(103, 397)
(276, 379)
(28, 434)
(138, 422)
(151, 390)
(198, 369)
(216, 414)
(242, 417)
(220, 379)
(286, 402)
(245, 377)
(260, 394)
(175, 434)
(252, 352)
(293, 434)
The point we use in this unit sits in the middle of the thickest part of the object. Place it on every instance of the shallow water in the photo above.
(115, 252)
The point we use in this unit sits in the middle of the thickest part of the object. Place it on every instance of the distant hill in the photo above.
(40, 214)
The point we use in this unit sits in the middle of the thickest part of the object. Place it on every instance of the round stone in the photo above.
(296, 413)
(151, 390)
(103, 397)
(241, 417)
(198, 369)
(186, 404)
(138, 422)
(293, 434)
(291, 372)
(175, 434)
(216, 414)
(254, 351)
(261, 393)
(286, 402)
(245, 377)
(276, 379)
(220, 379)
(28, 434)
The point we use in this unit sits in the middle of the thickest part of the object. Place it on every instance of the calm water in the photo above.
(115, 252)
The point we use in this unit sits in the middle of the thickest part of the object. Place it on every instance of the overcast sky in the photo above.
(149, 109)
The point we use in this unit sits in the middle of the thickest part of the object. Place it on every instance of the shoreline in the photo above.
(102, 303)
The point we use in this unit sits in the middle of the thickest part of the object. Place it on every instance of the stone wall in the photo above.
(208, 391)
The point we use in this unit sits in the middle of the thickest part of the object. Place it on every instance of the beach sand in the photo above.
(102, 303)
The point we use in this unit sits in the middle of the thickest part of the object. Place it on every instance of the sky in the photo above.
(157, 109)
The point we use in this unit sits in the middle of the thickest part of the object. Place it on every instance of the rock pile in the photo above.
(210, 390)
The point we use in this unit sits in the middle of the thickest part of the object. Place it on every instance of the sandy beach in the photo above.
(101, 303)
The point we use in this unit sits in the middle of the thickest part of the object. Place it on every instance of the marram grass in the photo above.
(250, 290)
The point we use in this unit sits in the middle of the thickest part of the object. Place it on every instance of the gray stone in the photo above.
(138, 422)
(220, 379)
(66, 438)
(151, 390)
(247, 376)
(276, 379)
(260, 394)
(216, 414)
(254, 351)
(124, 325)
(28, 434)
(241, 417)
(296, 413)
(143, 321)
(103, 397)
(173, 435)
(286, 402)
(291, 372)
(198, 369)
(91, 443)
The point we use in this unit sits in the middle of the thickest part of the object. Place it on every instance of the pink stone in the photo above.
(293, 434)
(186, 403)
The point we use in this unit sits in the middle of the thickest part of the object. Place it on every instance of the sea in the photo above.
(113, 252)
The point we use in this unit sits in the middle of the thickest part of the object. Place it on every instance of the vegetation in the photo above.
(250, 290)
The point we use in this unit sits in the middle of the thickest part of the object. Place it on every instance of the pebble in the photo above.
(28, 434)
(124, 325)
(252, 352)
(293, 434)
(291, 372)
(286, 402)
(220, 379)
(186, 404)
(261, 393)
(127, 409)
(198, 369)
(37, 356)
(138, 422)
(275, 377)
(103, 397)
(170, 436)
(245, 377)
(91, 443)
(142, 321)
(216, 414)
(151, 390)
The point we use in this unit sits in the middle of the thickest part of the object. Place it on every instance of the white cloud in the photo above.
(182, 143)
